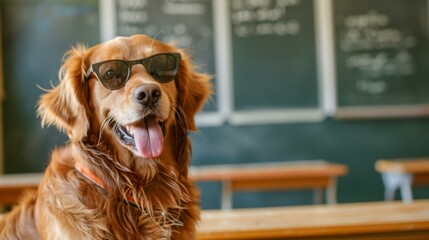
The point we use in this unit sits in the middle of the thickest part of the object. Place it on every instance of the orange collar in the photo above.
(97, 181)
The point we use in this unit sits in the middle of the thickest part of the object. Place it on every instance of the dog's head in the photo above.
(133, 102)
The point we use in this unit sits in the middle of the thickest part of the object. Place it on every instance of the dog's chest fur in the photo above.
(88, 212)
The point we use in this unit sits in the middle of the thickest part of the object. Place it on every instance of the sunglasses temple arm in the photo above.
(88, 72)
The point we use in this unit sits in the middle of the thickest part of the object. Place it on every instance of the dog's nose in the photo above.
(147, 94)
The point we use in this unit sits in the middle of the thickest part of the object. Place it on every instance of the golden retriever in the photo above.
(127, 106)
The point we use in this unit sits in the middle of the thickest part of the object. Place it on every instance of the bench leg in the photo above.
(393, 181)
(331, 192)
(406, 192)
(226, 203)
(317, 196)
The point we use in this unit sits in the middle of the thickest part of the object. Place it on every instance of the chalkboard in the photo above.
(382, 53)
(186, 23)
(273, 55)
(36, 34)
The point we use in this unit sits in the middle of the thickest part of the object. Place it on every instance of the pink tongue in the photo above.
(148, 138)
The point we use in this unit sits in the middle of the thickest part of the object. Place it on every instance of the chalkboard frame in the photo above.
(215, 118)
(272, 116)
(1, 104)
(333, 107)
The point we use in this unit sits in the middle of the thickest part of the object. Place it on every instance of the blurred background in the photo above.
(346, 81)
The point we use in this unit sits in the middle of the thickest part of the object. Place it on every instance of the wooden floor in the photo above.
(380, 220)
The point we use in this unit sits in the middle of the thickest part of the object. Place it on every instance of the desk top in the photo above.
(415, 165)
(270, 170)
(20, 179)
(314, 221)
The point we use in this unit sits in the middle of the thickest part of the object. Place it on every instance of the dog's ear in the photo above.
(65, 106)
(193, 90)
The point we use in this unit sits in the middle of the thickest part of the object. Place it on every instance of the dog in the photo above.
(127, 106)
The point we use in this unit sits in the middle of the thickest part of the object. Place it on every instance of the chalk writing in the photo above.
(263, 17)
(371, 31)
(183, 8)
(135, 17)
(377, 51)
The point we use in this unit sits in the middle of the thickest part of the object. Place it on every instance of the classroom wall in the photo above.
(277, 98)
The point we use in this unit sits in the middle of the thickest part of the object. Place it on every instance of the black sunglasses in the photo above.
(113, 74)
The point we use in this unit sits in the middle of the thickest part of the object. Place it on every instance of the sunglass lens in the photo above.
(113, 74)
(162, 67)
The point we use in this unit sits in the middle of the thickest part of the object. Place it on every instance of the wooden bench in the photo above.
(13, 185)
(403, 174)
(379, 220)
(318, 175)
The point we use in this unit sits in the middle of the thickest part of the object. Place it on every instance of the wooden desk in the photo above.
(403, 174)
(13, 185)
(315, 174)
(380, 220)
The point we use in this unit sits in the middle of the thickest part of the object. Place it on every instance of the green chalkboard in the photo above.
(186, 23)
(36, 34)
(382, 52)
(273, 54)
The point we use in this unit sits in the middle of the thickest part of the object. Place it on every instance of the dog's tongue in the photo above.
(148, 138)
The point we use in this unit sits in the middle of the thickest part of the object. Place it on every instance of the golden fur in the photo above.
(67, 205)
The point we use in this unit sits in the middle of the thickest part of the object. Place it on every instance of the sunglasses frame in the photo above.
(94, 68)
